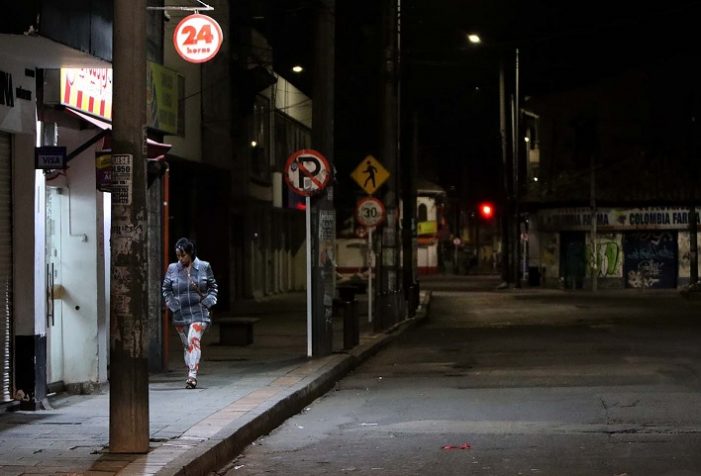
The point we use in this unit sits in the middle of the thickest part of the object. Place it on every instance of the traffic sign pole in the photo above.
(371, 263)
(308, 213)
(307, 172)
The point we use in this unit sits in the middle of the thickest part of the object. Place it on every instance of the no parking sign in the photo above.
(307, 172)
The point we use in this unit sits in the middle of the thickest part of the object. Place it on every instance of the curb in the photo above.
(224, 446)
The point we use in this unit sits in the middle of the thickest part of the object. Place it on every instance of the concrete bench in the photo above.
(236, 330)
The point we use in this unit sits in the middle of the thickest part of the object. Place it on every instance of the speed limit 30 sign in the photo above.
(197, 38)
(370, 211)
(307, 172)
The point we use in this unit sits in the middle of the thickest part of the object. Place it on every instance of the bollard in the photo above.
(417, 296)
(411, 300)
(398, 307)
(351, 328)
(380, 314)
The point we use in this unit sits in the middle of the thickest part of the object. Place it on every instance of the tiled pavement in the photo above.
(243, 392)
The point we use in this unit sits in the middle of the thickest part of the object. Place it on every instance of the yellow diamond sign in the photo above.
(370, 174)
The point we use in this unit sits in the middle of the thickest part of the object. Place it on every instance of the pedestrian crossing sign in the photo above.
(370, 174)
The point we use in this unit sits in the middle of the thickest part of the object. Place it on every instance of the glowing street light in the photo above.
(474, 38)
(486, 210)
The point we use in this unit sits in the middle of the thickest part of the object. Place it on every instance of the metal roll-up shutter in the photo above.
(5, 267)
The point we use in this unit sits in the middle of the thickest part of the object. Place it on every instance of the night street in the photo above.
(426, 237)
(515, 382)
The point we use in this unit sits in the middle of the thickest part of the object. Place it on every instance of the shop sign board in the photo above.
(17, 97)
(50, 158)
(88, 90)
(197, 38)
(614, 219)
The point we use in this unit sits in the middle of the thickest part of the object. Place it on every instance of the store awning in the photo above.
(156, 150)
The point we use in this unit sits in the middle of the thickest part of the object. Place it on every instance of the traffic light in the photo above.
(486, 210)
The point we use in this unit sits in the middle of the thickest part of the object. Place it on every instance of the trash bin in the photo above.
(348, 306)
(347, 292)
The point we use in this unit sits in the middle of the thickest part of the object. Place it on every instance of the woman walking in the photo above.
(190, 290)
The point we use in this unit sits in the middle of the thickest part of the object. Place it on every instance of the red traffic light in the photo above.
(486, 210)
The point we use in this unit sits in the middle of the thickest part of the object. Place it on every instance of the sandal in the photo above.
(191, 383)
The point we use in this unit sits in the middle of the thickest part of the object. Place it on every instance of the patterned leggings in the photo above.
(190, 336)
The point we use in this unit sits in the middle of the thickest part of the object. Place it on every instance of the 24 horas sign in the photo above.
(197, 38)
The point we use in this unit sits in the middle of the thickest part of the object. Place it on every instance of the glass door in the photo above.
(54, 289)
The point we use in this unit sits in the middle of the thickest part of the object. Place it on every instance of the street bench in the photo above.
(236, 330)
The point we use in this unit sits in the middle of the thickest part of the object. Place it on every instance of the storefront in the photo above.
(19, 330)
(634, 247)
(5, 265)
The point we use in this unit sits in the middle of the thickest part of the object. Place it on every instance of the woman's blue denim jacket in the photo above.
(189, 298)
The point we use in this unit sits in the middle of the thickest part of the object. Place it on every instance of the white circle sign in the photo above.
(197, 38)
(307, 172)
(370, 211)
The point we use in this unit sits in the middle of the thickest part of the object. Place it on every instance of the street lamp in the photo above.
(474, 38)
(510, 216)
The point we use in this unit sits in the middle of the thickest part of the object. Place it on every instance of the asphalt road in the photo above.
(514, 382)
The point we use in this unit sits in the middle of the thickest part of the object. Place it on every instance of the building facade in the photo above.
(637, 248)
(218, 134)
(625, 148)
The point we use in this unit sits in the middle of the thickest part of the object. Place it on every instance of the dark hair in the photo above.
(186, 245)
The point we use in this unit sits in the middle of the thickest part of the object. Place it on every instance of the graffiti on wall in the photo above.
(609, 259)
(650, 259)
(550, 254)
(684, 247)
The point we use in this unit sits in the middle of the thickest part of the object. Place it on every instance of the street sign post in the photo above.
(370, 212)
(307, 172)
(370, 174)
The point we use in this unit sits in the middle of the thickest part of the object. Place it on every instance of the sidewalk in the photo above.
(242, 393)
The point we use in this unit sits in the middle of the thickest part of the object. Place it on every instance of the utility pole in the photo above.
(594, 268)
(505, 212)
(693, 243)
(388, 284)
(323, 219)
(516, 145)
(409, 238)
(408, 154)
(693, 222)
(129, 405)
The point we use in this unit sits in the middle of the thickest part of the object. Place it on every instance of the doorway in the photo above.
(54, 288)
(573, 259)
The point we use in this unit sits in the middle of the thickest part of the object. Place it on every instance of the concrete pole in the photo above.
(388, 284)
(505, 212)
(323, 218)
(129, 405)
(516, 138)
(408, 154)
(409, 237)
(693, 242)
(594, 268)
(693, 222)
